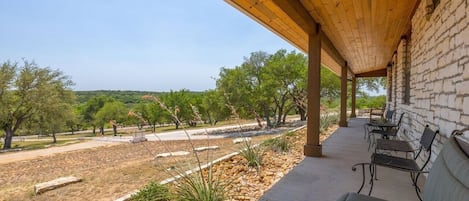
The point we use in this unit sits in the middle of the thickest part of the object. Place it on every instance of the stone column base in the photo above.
(313, 150)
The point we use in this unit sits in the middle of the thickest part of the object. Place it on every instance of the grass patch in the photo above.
(31, 145)
(153, 191)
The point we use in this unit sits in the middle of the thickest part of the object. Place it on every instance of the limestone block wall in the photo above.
(438, 56)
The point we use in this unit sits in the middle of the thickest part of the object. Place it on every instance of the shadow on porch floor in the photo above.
(328, 177)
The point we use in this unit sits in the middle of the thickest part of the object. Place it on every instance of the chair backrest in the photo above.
(449, 176)
(427, 138)
(400, 119)
(389, 115)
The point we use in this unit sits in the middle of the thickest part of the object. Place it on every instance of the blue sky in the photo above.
(151, 45)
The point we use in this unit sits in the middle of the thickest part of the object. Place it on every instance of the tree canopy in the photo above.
(28, 91)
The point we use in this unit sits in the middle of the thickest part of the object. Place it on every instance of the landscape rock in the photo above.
(137, 139)
(199, 149)
(56, 183)
(177, 153)
(243, 139)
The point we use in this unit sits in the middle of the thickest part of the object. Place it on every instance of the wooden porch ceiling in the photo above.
(364, 33)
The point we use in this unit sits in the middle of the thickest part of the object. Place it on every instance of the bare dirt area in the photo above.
(108, 172)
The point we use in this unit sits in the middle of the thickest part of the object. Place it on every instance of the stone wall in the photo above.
(438, 54)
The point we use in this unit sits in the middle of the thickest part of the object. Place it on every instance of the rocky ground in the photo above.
(247, 183)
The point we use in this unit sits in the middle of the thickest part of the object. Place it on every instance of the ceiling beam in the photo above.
(376, 73)
(298, 13)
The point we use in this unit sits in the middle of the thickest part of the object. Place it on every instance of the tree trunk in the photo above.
(154, 127)
(284, 119)
(53, 137)
(266, 115)
(302, 113)
(210, 118)
(101, 130)
(73, 130)
(94, 130)
(114, 128)
(8, 138)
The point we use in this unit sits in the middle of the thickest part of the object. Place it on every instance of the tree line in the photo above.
(265, 86)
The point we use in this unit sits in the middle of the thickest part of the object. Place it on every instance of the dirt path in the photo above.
(27, 155)
(110, 141)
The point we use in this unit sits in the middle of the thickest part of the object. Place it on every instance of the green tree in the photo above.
(54, 119)
(90, 108)
(179, 102)
(74, 122)
(26, 91)
(214, 106)
(151, 113)
(330, 86)
(113, 112)
(371, 84)
(286, 77)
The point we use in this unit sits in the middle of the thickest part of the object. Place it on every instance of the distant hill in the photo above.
(127, 97)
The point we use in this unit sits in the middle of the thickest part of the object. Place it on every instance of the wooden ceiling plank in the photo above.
(298, 13)
(363, 32)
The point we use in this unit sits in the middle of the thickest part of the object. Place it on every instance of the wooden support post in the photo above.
(313, 146)
(343, 96)
(354, 96)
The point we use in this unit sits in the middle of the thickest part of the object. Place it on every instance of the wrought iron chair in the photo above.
(448, 178)
(386, 130)
(400, 163)
(372, 122)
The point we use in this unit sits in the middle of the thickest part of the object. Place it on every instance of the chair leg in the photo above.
(376, 172)
(366, 131)
(414, 182)
(372, 169)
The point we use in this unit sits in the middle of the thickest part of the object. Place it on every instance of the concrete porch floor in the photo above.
(328, 177)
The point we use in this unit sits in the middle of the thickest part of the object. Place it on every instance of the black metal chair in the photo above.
(372, 122)
(386, 130)
(448, 178)
(400, 163)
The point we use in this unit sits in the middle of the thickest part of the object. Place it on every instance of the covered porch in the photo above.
(420, 46)
(328, 177)
(354, 39)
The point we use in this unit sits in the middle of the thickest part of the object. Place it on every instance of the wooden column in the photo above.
(343, 96)
(313, 147)
(354, 96)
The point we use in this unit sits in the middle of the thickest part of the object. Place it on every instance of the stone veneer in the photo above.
(439, 70)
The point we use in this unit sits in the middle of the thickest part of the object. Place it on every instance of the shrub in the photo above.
(153, 191)
(253, 154)
(280, 144)
(327, 120)
(200, 187)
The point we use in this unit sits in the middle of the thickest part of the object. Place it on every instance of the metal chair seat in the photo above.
(395, 162)
(394, 145)
(385, 133)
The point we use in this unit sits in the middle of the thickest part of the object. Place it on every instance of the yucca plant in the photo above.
(201, 187)
(253, 154)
